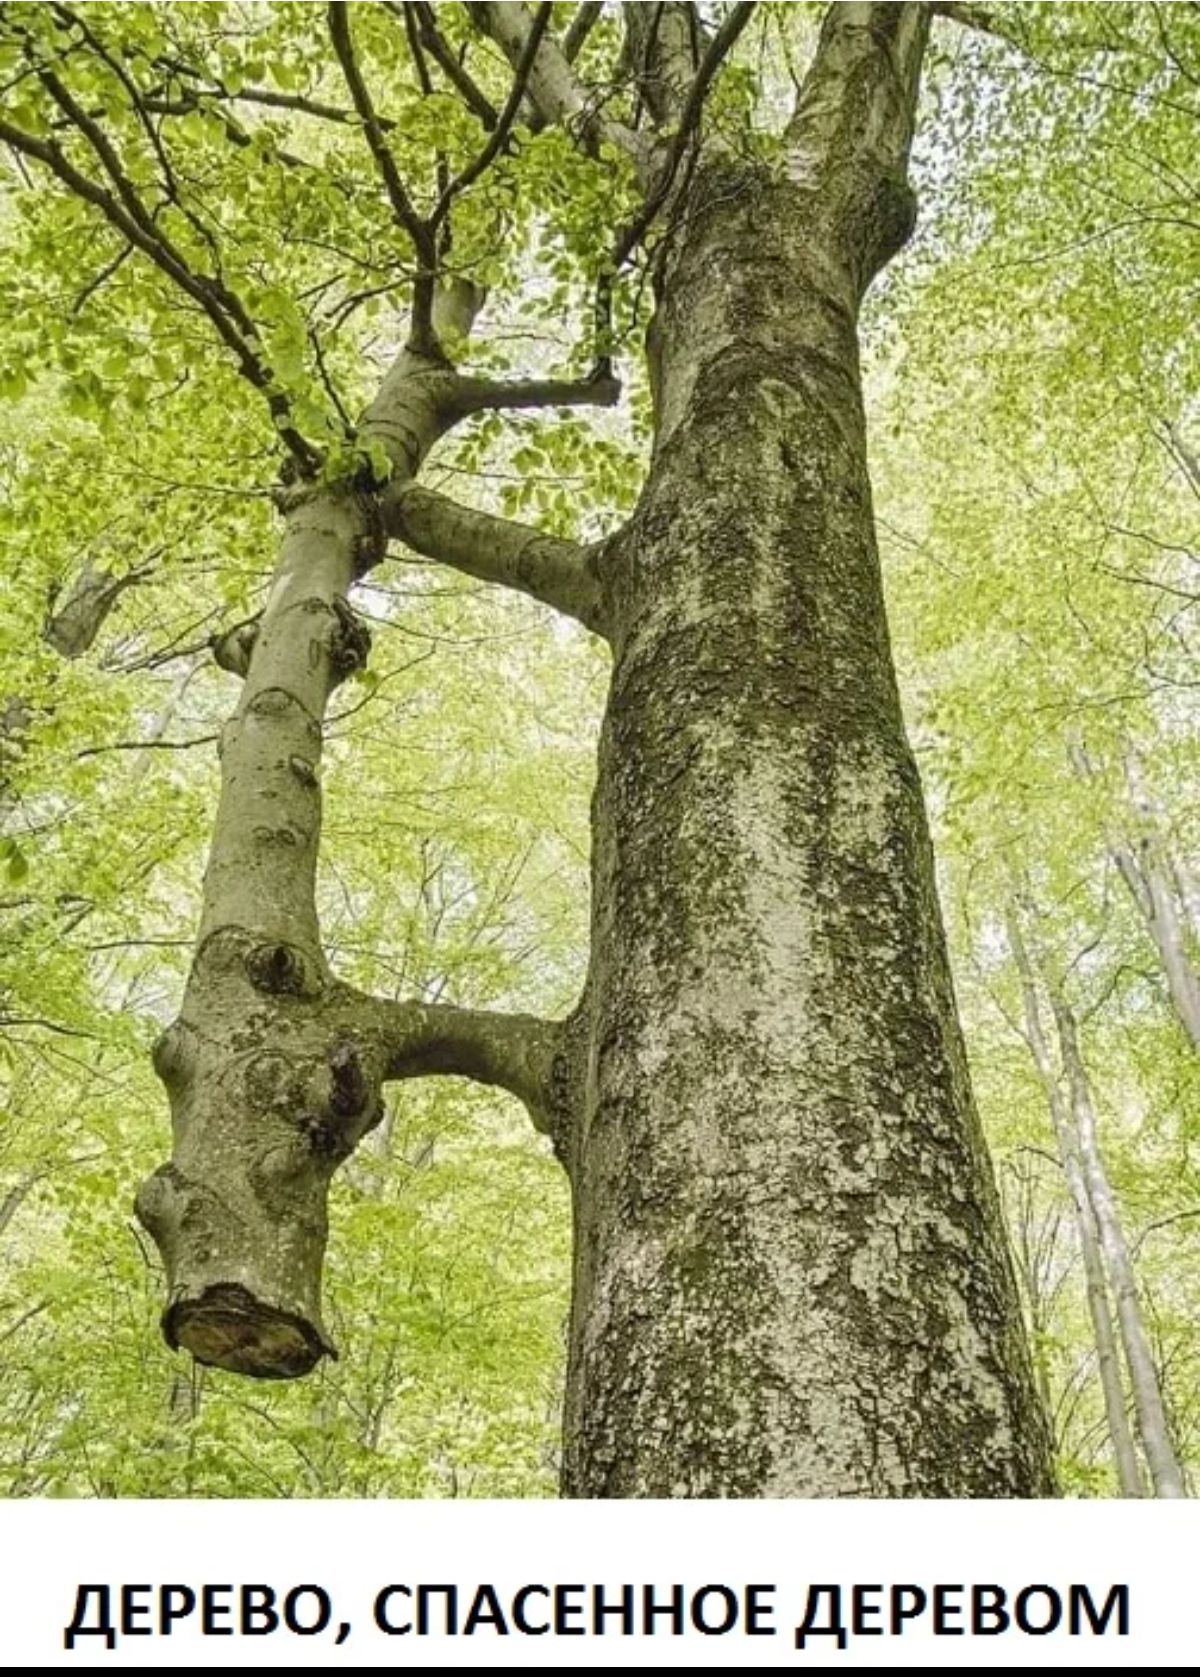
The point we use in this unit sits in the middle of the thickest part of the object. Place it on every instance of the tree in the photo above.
(790, 1273)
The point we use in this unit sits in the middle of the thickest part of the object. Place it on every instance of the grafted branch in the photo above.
(512, 1051)
(559, 573)
(475, 395)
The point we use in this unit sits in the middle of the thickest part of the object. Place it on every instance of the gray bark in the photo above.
(1143, 1376)
(73, 623)
(1108, 1361)
(790, 1272)
(274, 1070)
(1156, 884)
(1160, 887)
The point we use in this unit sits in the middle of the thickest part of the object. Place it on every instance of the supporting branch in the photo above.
(558, 573)
(512, 1051)
(475, 395)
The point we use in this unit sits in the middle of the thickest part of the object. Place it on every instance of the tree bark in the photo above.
(273, 1068)
(1159, 887)
(1108, 1362)
(790, 1274)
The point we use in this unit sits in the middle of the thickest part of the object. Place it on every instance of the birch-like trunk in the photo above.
(1160, 887)
(1108, 1360)
(1165, 1469)
(1157, 886)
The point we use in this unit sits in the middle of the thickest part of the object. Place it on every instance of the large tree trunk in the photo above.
(1108, 1360)
(790, 1277)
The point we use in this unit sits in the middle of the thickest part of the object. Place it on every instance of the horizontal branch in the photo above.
(512, 1051)
(476, 395)
(146, 745)
(547, 568)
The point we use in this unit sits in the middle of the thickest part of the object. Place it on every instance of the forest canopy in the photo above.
(1030, 375)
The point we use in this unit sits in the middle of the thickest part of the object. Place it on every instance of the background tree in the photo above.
(268, 126)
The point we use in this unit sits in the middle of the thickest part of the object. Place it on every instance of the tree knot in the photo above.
(370, 546)
(351, 1092)
(233, 648)
(280, 969)
(351, 644)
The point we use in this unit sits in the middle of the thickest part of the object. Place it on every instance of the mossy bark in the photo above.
(791, 1276)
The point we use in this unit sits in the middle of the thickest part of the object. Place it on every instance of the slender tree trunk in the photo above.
(273, 1068)
(1155, 884)
(1147, 1394)
(1161, 889)
(1150, 882)
(1108, 1362)
(790, 1274)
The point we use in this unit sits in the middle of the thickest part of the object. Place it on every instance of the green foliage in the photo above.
(1031, 373)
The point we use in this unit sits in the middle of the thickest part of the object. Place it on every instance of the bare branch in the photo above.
(475, 395)
(147, 745)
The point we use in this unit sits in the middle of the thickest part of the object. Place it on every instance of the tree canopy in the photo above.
(212, 219)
